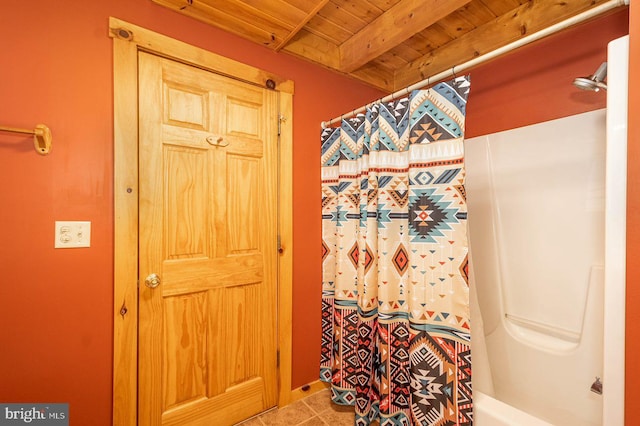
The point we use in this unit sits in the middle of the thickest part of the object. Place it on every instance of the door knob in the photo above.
(152, 281)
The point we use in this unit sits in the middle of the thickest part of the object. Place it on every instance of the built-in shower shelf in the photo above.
(548, 329)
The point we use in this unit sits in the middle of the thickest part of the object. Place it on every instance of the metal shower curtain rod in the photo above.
(457, 69)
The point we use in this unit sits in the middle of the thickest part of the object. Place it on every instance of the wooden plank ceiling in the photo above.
(388, 44)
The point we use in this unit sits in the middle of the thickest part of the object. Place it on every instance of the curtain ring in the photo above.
(453, 71)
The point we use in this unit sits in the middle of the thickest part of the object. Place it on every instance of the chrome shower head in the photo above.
(594, 82)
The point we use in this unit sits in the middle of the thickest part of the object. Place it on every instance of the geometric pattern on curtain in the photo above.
(395, 296)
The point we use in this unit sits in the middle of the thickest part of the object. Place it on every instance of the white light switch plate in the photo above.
(72, 234)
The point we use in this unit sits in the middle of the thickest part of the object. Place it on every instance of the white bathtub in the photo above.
(488, 411)
(536, 226)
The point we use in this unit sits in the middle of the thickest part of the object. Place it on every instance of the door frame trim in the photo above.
(128, 39)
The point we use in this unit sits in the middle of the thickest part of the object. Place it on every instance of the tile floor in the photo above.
(314, 410)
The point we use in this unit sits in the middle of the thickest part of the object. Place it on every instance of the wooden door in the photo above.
(208, 213)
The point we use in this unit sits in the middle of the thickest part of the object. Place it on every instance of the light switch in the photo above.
(72, 234)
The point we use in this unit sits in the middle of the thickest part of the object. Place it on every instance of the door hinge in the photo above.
(281, 119)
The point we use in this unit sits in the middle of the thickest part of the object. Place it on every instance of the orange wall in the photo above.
(534, 84)
(55, 305)
(632, 385)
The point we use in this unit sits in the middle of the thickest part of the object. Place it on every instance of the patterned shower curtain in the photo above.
(395, 298)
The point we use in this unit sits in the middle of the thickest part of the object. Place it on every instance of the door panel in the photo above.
(185, 336)
(208, 163)
(186, 193)
(243, 206)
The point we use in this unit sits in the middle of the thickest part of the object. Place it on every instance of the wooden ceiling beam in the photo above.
(310, 47)
(256, 28)
(376, 76)
(513, 25)
(301, 24)
(392, 28)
